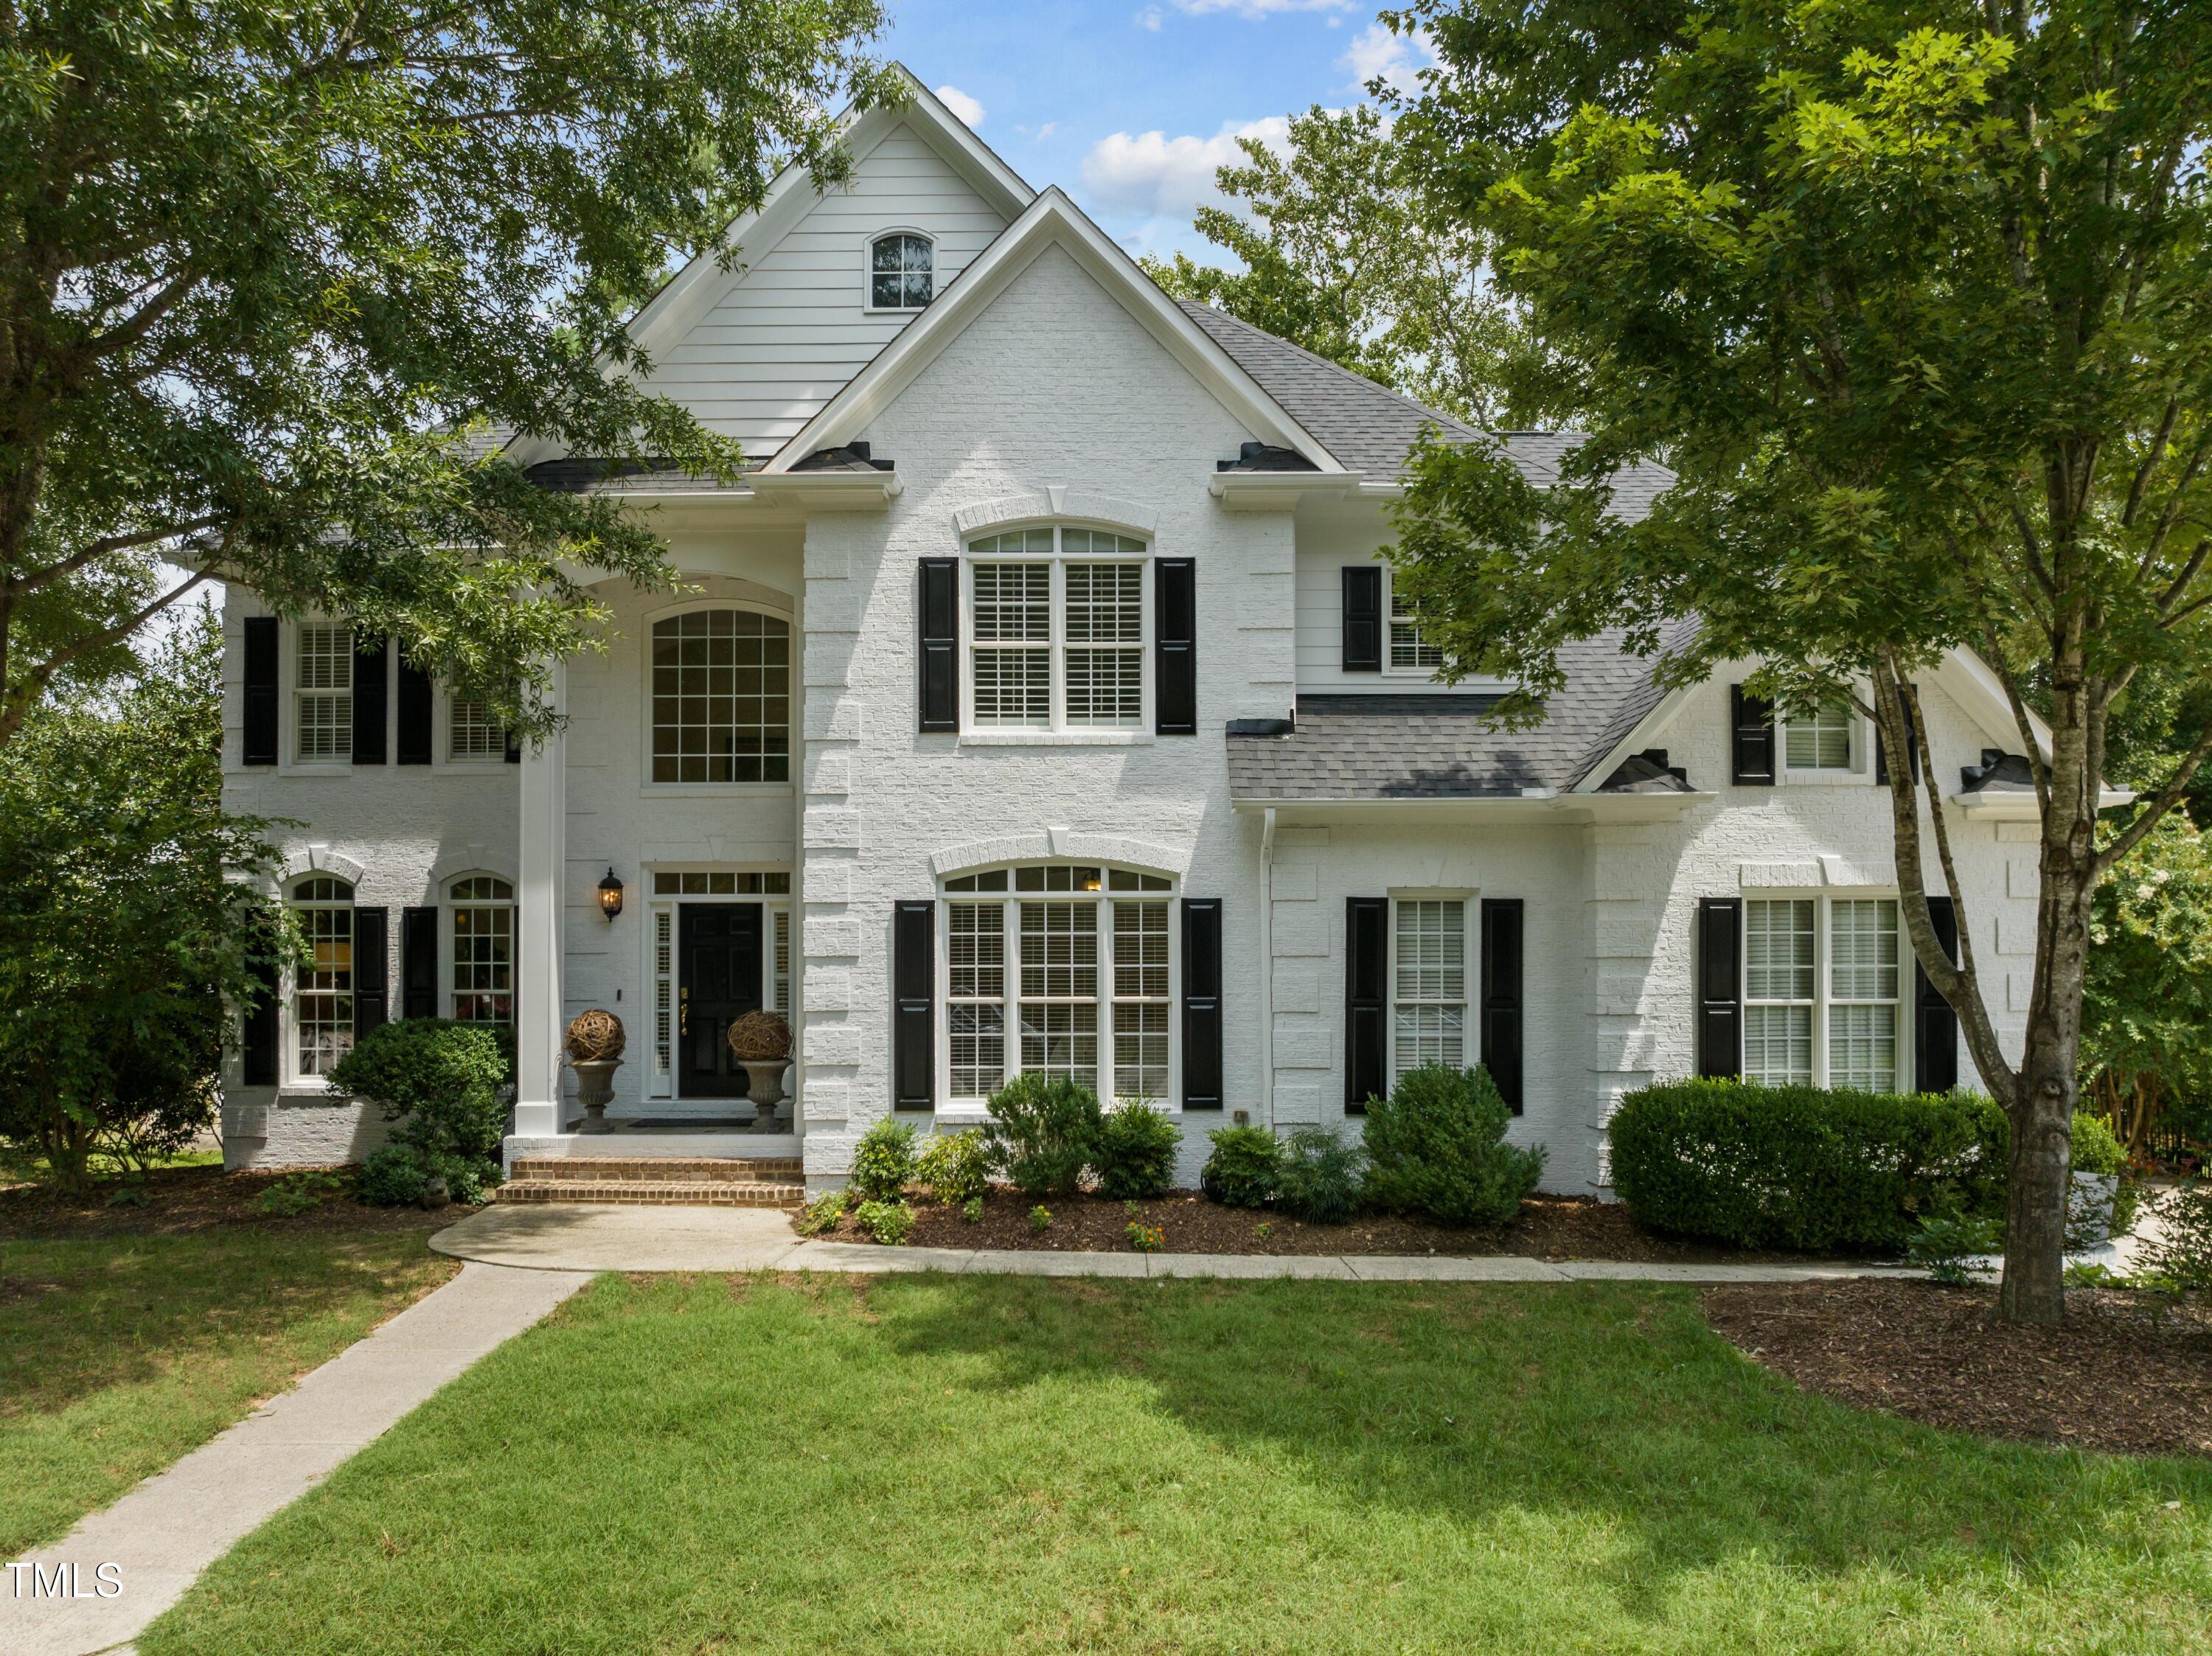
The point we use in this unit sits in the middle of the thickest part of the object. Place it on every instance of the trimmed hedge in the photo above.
(1804, 1166)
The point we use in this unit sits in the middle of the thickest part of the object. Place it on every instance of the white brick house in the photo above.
(1040, 706)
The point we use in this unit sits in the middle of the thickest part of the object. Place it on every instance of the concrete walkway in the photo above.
(581, 1237)
(161, 1535)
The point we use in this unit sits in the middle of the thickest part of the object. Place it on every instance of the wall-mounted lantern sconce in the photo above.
(611, 890)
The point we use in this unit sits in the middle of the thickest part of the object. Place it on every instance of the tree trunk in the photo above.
(2035, 1289)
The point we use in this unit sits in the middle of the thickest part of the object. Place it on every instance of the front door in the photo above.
(718, 978)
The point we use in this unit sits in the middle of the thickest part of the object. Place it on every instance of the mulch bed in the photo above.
(182, 1200)
(1550, 1227)
(2109, 1378)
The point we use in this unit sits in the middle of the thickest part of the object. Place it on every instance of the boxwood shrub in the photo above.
(1804, 1166)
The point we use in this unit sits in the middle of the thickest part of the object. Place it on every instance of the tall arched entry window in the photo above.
(722, 697)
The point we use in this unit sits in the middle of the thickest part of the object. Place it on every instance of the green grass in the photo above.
(119, 1354)
(916, 1464)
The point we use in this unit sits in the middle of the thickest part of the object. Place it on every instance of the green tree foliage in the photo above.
(121, 930)
(1913, 296)
(1343, 253)
(2147, 1016)
(258, 263)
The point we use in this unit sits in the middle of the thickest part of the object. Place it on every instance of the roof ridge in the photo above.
(1376, 385)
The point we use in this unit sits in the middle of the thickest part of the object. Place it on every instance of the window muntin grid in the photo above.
(1863, 978)
(1780, 979)
(1820, 740)
(721, 702)
(481, 934)
(1409, 651)
(1067, 969)
(719, 883)
(901, 272)
(322, 1005)
(669, 884)
(323, 692)
(472, 732)
(1428, 983)
(1057, 630)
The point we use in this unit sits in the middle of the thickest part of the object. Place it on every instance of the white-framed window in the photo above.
(1058, 624)
(1825, 738)
(770, 887)
(1823, 992)
(721, 698)
(480, 950)
(1409, 653)
(1063, 969)
(322, 693)
(1428, 982)
(472, 735)
(322, 994)
(902, 271)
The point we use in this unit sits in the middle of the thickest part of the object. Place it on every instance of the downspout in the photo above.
(1267, 968)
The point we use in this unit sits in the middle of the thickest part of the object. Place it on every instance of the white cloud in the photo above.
(1047, 130)
(1255, 8)
(1151, 175)
(1149, 18)
(962, 104)
(1394, 58)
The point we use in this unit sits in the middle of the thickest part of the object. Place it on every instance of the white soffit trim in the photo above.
(1974, 685)
(1052, 219)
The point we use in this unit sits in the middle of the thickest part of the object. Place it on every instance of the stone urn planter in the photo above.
(762, 1042)
(594, 1047)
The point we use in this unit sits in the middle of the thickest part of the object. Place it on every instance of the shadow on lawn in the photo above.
(1471, 1402)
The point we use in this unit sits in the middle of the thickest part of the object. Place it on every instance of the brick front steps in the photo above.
(659, 1181)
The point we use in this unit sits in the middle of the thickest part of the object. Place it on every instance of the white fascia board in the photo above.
(1974, 685)
(1537, 805)
(1638, 738)
(1051, 219)
(1275, 491)
(2019, 806)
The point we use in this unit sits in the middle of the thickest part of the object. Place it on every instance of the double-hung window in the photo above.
(322, 1005)
(1409, 651)
(1057, 630)
(1822, 988)
(323, 693)
(1428, 983)
(481, 921)
(1063, 970)
(1824, 738)
(472, 732)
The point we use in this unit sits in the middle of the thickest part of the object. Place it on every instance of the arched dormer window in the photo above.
(901, 272)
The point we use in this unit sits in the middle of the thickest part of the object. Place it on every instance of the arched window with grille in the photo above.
(323, 990)
(480, 944)
(901, 272)
(722, 697)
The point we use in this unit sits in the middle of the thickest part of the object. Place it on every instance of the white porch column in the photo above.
(539, 1026)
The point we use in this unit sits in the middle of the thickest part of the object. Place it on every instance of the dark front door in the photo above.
(718, 978)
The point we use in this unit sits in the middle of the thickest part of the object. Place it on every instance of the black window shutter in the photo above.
(513, 748)
(1366, 957)
(260, 708)
(1935, 1025)
(1362, 618)
(257, 1040)
(416, 705)
(937, 615)
(370, 657)
(1912, 749)
(914, 1011)
(418, 962)
(1175, 646)
(1720, 986)
(371, 970)
(1201, 1004)
(1751, 732)
(1502, 921)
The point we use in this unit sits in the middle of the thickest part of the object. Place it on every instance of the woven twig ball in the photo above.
(759, 1037)
(597, 1034)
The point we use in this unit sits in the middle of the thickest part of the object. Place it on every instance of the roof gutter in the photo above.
(1277, 491)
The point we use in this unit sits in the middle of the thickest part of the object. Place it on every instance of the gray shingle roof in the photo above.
(1442, 746)
(599, 476)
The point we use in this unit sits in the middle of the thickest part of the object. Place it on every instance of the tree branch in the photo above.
(21, 698)
(2175, 790)
(93, 551)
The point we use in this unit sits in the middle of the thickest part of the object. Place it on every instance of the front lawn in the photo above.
(122, 1350)
(934, 1464)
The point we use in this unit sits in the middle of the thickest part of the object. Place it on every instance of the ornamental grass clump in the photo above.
(1436, 1149)
(1319, 1177)
(1043, 1133)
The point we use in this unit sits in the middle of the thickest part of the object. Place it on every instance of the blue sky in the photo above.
(1131, 105)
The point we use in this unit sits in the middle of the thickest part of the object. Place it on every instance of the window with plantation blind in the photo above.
(1058, 630)
(1822, 993)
